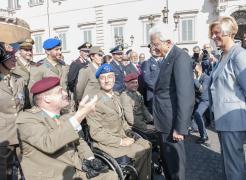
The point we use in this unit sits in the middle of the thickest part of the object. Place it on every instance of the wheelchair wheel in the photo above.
(130, 172)
(110, 161)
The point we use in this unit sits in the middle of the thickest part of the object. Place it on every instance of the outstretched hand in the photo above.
(85, 107)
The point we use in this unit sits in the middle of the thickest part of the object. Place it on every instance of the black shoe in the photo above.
(98, 165)
(202, 140)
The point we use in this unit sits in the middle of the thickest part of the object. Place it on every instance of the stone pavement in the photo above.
(203, 161)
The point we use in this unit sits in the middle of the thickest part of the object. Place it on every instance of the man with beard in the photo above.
(52, 145)
(51, 65)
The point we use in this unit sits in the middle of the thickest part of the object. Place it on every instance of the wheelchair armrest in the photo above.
(124, 160)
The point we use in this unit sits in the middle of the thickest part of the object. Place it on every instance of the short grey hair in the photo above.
(227, 24)
(163, 31)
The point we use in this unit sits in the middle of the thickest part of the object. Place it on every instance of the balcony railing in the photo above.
(6, 12)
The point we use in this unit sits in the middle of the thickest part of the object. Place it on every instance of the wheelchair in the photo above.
(123, 166)
(154, 139)
(13, 167)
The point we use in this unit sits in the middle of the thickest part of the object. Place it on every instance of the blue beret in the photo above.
(51, 43)
(117, 49)
(105, 68)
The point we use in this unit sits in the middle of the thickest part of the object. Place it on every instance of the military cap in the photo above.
(117, 49)
(6, 54)
(131, 76)
(128, 51)
(105, 68)
(96, 50)
(85, 47)
(51, 43)
(44, 84)
(27, 44)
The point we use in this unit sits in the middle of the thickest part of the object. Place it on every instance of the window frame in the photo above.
(180, 29)
(15, 4)
(118, 25)
(40, 34)
(88, 27)
(58, 33)
(145, 34)
(36, 3)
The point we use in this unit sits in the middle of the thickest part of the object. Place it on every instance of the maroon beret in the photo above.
(130, 77)
(45, 84)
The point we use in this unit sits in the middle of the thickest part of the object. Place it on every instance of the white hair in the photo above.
(163, 31)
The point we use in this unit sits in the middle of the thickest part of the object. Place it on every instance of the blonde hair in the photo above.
(227, 24)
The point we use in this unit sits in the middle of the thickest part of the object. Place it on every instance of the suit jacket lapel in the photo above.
(154, 61)
(118, 66)
(165, 63)
(167, 60)
(222, 64)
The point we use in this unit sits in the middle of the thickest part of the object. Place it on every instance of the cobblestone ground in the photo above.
(203, 161)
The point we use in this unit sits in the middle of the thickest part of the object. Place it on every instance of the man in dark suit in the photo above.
(201, 83)
(133, 66)
(151, 69)
(76, 65)
(117, 53)
(173, 101)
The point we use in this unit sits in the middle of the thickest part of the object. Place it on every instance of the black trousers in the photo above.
(173, 157)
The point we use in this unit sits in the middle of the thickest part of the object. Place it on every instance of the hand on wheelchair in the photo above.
(93, 167)
(130, 133)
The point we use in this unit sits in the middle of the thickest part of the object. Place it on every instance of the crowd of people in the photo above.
(130, 105)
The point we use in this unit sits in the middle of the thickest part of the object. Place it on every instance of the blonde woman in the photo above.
(227, 97)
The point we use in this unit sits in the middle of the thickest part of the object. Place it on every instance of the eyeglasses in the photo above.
(106, 77)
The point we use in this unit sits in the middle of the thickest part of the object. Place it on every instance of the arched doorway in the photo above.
(240, 17)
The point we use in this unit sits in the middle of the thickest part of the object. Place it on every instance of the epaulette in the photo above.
(61, 62)
(40, 62)
(34, 110)
(138, 93)
(34, 63)
(117, 93)
(16, 76)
